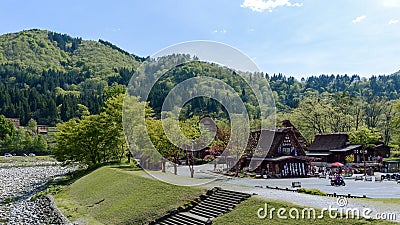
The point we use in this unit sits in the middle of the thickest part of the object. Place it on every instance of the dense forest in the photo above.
(51, 78)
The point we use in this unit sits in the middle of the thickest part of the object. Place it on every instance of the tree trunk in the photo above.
(175, 169)
(176, 160)
(237, 165)
(191, 171)
(163, 164)
(191, 166)
(237, 169)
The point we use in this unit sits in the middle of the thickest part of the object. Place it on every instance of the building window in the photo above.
(286, 146)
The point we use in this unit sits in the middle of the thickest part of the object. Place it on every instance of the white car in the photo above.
(31, 154)
(7, 155)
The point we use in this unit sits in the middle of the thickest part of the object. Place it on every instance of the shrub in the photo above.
(312, 191)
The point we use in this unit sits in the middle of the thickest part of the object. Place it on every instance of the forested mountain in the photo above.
(289, 92)
(53, 77)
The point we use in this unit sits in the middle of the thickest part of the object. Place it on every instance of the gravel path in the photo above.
(18, 184)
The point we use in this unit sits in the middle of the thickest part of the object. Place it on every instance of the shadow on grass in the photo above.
(126, 167)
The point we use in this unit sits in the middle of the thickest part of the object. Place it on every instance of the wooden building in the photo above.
(42, 129)
(209, 124)
(374, 154)
(302, 141)
(276, 153)
(332, 147)
(377, 152)
(15, 121)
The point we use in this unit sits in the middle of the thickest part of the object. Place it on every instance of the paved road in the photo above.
(372, 189)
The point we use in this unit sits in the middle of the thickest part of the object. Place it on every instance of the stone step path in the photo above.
(202, 211)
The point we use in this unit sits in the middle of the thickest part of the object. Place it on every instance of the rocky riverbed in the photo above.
(18, 184)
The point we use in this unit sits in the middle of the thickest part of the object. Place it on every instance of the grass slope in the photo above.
(128, 197)
(246, 213)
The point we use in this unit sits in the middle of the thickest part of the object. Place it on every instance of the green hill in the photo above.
(43, 50)
(53, 77)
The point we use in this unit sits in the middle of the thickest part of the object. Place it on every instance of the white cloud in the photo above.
(391, 3)
(393, 21)
(359, 19)
(262, 5)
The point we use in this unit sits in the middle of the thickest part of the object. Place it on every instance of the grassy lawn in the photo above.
(26, 160)
(111, 195)
(394, 201)
(246, 213)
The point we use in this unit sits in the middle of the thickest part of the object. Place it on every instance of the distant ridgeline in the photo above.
(52, 77)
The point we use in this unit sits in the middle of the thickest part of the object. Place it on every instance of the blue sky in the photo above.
(295, 37)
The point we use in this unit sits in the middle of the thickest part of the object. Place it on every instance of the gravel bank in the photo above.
(40, 211)
(18, 184)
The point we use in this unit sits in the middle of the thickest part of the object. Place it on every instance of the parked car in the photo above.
(7, 155)
(32, 154)
(24, 155)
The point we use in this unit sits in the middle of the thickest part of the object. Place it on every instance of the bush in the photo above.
(198, 161)
(312, 191)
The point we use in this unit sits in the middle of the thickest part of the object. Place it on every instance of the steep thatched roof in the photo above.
(269, 141)
(326, 142)
(300, 138)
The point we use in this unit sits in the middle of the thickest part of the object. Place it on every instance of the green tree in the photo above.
(82, 111)
(395, 123)
(364, 137)
(161, 142)
(93, 139)
(31, 127)
(18, 142)
(137, 114)
(6, 127)
(39, 144)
